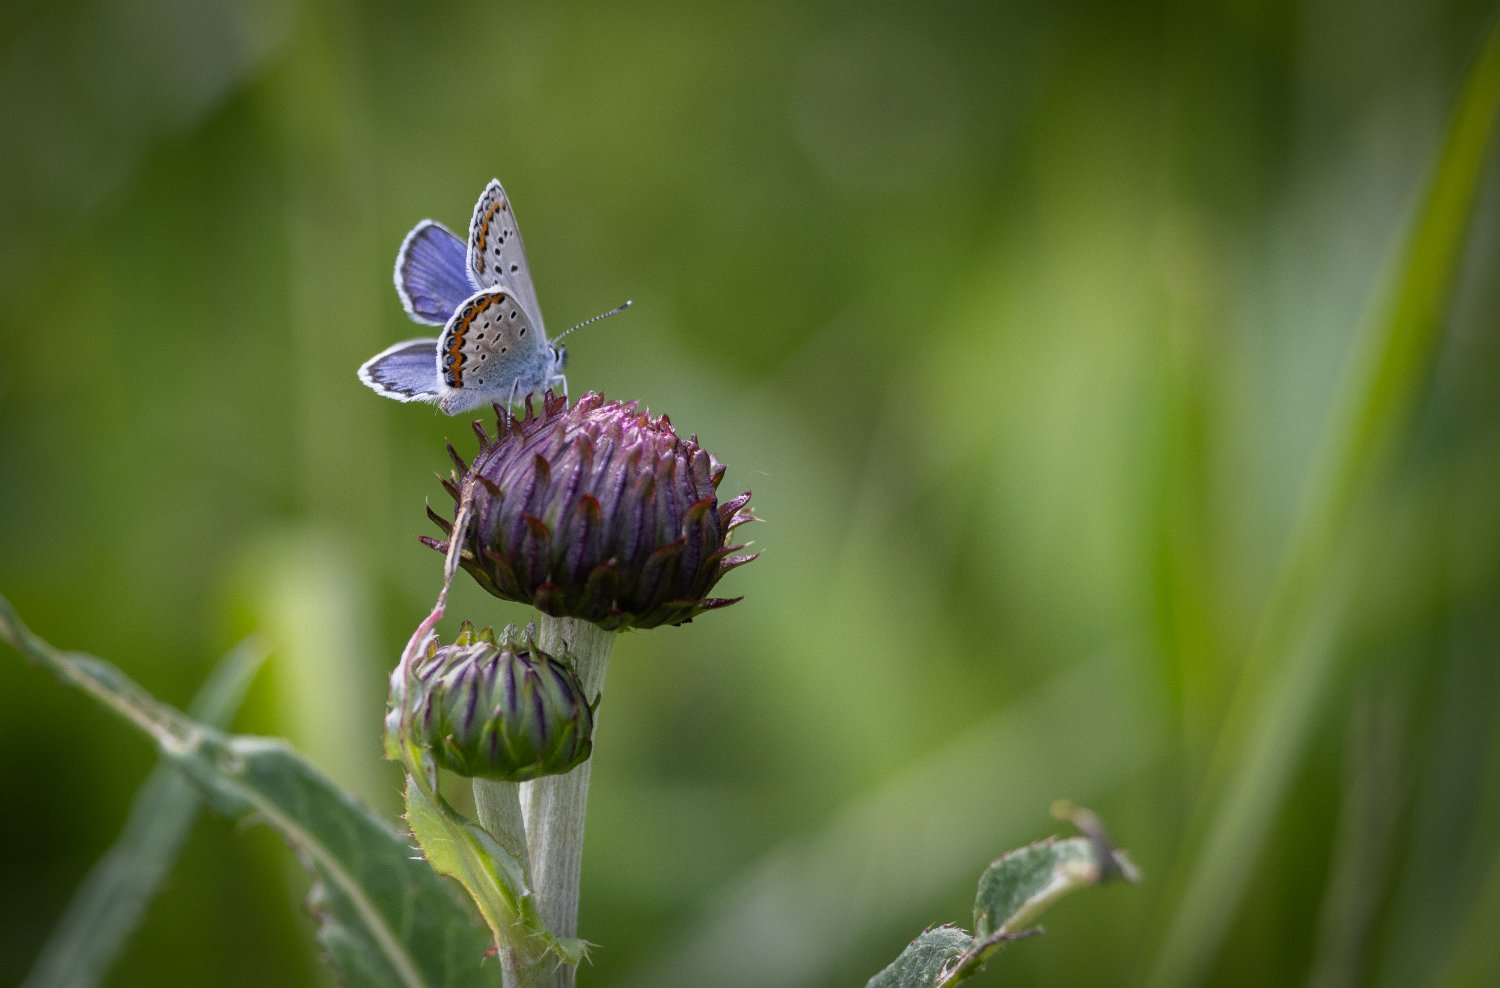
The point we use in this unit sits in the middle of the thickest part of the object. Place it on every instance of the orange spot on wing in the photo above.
(483, 238)
(454, 374)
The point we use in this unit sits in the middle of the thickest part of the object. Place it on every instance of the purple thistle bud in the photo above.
(597, 511)
(505, 711)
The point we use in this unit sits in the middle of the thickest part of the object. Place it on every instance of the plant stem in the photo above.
(499, 807)
(553, 806)
(498, 804)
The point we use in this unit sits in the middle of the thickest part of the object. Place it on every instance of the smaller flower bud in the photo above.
(505, 711)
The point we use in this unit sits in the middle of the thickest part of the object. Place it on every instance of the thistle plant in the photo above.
(604, 519)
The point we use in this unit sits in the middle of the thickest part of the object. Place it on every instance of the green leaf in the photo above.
(1023, 882)
(1013, 891)
(464, 851)
(926, 960)
(108, 906)
(384, 918)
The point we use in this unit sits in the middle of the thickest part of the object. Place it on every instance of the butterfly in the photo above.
(493, 347)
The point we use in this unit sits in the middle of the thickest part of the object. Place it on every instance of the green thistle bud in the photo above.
(597, 511)
(505, 711)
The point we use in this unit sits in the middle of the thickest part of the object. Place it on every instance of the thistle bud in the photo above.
(597, 511)
(502, 711)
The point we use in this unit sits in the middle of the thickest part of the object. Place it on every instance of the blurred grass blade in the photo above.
(1292, 659)
(110, 903)
(385, 917)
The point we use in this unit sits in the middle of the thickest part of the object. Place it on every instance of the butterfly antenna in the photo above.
(603, 315)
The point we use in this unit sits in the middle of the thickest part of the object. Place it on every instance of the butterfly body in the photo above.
(492, 347)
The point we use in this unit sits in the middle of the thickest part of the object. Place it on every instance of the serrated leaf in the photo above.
(1021, 883)
(926, 960)
(1013, 890)
(385, 918)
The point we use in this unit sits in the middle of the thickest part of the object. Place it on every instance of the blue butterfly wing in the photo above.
(432, 273)
(405, 372)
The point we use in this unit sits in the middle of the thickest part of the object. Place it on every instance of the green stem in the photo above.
(499, 808)
(553, 806)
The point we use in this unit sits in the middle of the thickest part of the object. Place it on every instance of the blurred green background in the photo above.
(1025, 323)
